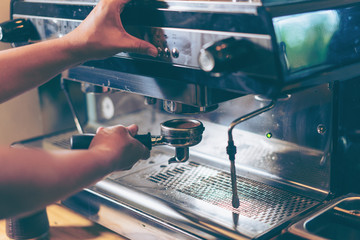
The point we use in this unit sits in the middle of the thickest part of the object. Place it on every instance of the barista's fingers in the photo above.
(133, 129)
(142, 47)
(99, 129)
(146, 153)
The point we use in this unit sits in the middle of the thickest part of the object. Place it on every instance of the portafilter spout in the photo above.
(178, 133)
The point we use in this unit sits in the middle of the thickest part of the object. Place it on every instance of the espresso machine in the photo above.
(274, 86)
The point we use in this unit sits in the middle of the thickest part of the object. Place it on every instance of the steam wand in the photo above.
(231, 151)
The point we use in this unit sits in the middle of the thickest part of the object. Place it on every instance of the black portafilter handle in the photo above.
(17, 30)
(34, 226)
(82, 141)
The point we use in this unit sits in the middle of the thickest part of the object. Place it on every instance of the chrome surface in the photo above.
(71, 106)
(179, 108)
(272, 144)
(192, 197)
(182, 132)
(339, 219)
(185, 41)
(199, 96)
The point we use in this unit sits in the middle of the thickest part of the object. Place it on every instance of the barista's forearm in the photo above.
(30, 179)
(26, 67)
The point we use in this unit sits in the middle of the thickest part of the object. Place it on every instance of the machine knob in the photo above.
(17, 30)
(227, 55)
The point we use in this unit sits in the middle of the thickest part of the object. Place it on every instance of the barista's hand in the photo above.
(117, 145)
(102, 34)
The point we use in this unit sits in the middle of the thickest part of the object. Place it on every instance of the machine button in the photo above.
(175, 53)
(167, 52)
(160, 52)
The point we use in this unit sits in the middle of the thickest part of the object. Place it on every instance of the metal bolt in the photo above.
(321, 129)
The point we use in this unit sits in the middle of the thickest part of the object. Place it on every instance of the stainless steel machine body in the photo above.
(290, 160)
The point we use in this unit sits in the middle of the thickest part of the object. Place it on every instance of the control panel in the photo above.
(176, 46)
(237, 57)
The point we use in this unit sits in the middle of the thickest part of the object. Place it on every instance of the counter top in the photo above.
(66, 224)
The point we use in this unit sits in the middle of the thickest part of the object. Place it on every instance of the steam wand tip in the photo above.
(235, 219)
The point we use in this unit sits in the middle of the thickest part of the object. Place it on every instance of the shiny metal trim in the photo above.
(299, 228)
(65, 2)
(182, 40)
(45, 18)
(204, 6)
(199, 226)
(201, 6)
(148, 86)
(234, 34)
(137, 222)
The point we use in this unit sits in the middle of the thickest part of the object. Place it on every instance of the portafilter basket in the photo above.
(178, 133)
(181, 134)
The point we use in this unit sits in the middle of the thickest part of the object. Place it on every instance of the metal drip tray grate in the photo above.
(197, 188)
(258, 201)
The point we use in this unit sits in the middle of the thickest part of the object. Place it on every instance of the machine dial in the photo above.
(17, 30)
(227, 55)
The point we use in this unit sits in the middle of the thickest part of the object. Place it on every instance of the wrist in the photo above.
(73, 49)
(103, 160)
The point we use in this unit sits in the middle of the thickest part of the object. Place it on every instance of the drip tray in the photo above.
(190, 200)
(259, 202)
(202, 193)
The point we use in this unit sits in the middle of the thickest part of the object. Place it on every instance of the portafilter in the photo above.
(178, 133)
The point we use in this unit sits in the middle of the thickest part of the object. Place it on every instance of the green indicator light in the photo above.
(269, 135)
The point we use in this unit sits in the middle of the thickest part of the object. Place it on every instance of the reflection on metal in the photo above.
(179, 108)
(71, 106)
(150, 101)
(91, 88)
(304, 39)
(282, 97)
